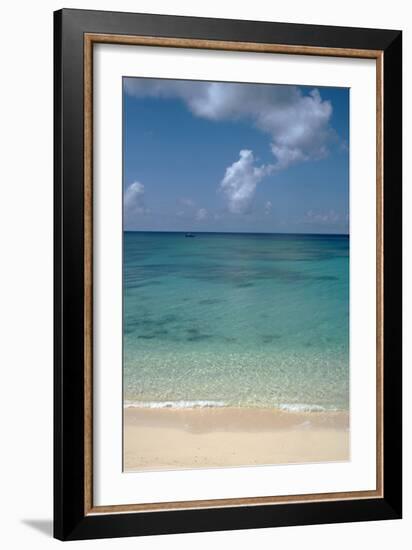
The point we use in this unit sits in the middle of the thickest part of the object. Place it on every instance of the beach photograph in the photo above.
(235, 274)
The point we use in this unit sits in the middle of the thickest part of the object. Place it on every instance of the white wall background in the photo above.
(26, 325)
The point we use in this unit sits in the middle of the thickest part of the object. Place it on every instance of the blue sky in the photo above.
(201, 156)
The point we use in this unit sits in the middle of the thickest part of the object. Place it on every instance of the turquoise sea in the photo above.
(251, 320)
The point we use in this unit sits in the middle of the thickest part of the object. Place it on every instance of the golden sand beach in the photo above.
(157, 439)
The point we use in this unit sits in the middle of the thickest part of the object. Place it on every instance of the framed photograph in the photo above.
(227, 274)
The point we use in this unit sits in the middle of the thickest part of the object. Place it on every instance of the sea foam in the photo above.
(197, 404)
(302, 407)
(205, 403)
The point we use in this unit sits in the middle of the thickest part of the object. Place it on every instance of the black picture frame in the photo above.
(71, 522)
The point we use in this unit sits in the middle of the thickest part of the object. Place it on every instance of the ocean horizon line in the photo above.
(182, 232)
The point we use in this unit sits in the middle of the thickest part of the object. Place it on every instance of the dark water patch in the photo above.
(192, 330)
(240, 276)
(148, 272)
(146, 324)
(144, 284)
(210, 301)
(245, 285)
(132, 324)
(162, 333)
(167, 319)
(269, 338)
(199, 337)
(161, 266)
(142, 278)
(276, 252)
(195, 335)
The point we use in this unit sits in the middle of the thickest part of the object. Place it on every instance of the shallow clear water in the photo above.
(236, 319)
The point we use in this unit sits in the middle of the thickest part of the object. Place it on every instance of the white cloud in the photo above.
(134, 204)
(297, 124)
(201, 214)
(268, 207)
(240, 181)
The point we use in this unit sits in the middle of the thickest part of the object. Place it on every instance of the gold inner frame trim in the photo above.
(89, 40)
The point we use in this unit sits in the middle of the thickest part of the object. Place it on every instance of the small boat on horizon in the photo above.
(189, 235)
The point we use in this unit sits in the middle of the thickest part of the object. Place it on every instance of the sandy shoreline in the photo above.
(156, 439)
